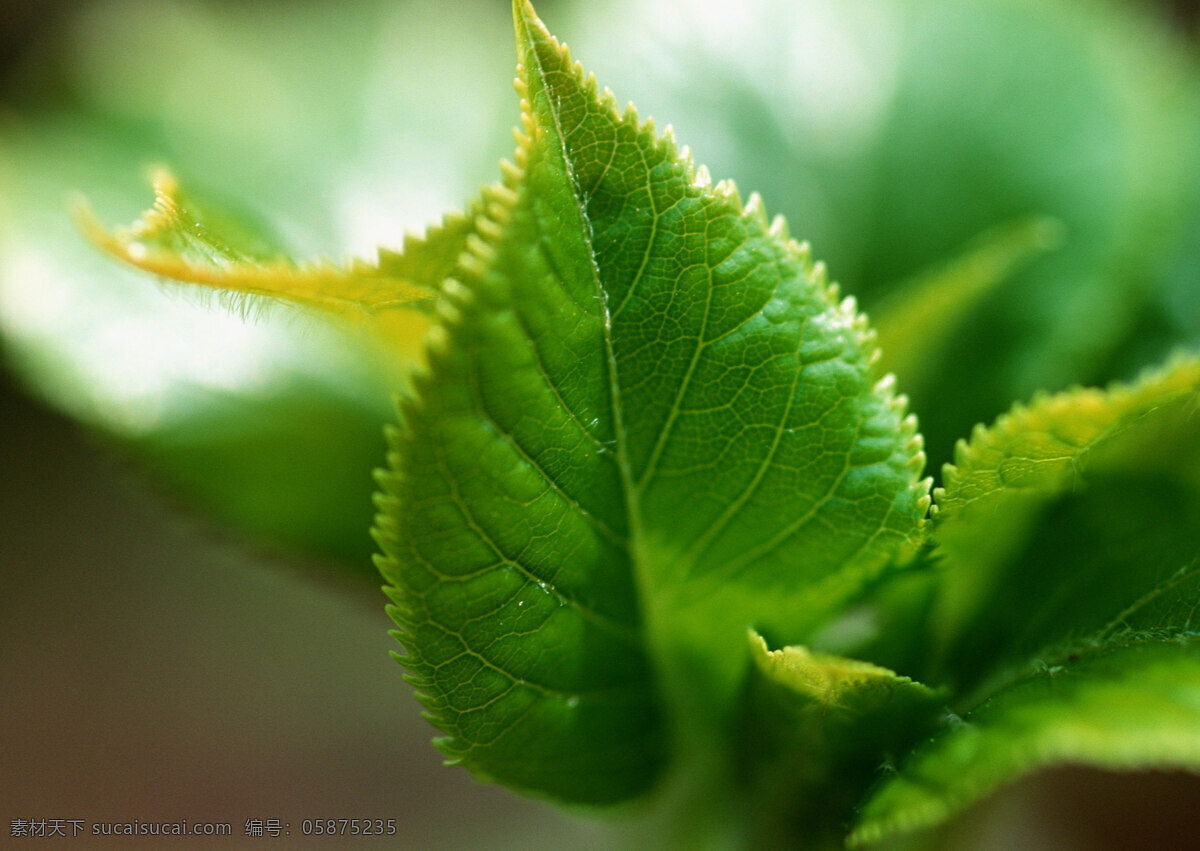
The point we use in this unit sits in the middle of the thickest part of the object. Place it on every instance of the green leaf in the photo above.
(273, 428)
(823, 688)
(1060, 510)
(649, 424)
(813, 732)
(292, 466)
(1067, 614)
(1042, 447)
(1124, 707)
(176, 240)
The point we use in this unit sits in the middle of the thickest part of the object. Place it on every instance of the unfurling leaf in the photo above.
(813, 729)
(822, 685)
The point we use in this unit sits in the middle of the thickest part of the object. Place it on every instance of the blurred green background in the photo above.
(191, 625)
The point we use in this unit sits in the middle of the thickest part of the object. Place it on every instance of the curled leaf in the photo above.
(175, 241)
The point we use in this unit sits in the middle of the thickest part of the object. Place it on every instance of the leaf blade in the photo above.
(1059, 511)
(614, 319)
(813, 731)
(1035, 447)
(1125, 708)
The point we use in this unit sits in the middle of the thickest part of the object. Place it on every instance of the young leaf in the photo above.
(1127, 707)
(1041, 447)
(813, 731)
(1076, 635)
(1050, 510)
(821, 685)
(174, 240)
(649, 424)
(289, 463)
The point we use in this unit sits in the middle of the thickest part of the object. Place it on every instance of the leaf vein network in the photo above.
(547, 585)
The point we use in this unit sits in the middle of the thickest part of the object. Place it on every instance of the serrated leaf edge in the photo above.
(987, 444)
(317, 283)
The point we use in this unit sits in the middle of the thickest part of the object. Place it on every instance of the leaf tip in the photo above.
(525, 16)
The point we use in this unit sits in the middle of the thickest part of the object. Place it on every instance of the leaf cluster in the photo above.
(655, 522)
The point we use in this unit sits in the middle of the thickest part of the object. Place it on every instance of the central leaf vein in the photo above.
(606, 326)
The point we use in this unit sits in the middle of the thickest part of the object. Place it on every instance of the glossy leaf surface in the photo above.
(648, 424)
